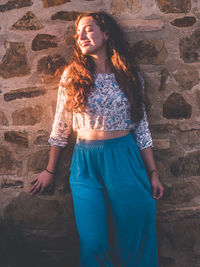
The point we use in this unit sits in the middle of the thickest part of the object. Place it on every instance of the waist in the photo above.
(100, 135)
(85, 143)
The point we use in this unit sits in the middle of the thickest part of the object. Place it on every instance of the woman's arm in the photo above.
(144, 141)
(63, 120)
(147, 155)
(61, 129)
(54, 156)
(46, 178)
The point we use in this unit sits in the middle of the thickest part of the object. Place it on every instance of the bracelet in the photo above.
(152, 171)
(49, 171)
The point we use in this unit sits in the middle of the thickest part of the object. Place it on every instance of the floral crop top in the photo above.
(107, 109)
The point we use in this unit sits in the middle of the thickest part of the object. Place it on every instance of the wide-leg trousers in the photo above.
(113, 204)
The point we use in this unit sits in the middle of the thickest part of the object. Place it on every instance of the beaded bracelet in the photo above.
(50, 172)
(152, 171)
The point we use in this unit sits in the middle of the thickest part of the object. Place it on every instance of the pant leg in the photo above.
(90, 210)
(132, 208)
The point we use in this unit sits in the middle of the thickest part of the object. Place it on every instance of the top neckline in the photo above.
(104, 74)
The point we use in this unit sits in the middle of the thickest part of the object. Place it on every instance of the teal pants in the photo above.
(113, 204)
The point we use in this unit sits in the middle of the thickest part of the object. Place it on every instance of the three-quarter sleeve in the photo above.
(63, 120)
(141, 128)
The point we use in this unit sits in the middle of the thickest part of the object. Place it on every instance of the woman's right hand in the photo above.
(40, 183)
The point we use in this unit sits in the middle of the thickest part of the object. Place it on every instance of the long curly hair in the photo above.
(80, 72)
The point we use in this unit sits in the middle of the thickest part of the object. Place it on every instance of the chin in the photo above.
(86, 52)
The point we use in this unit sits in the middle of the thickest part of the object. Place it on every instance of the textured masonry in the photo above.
(36, 44)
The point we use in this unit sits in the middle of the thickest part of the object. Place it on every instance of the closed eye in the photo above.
(87, 29)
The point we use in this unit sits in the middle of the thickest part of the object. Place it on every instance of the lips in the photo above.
(85, 43)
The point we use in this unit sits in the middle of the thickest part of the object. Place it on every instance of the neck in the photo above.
(101, 61)
(102, 66)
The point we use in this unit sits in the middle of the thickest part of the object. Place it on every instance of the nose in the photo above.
(82, 35)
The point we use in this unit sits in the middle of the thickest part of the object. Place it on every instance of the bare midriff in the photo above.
(100, 135)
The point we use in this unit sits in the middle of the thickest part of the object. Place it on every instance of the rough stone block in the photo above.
(175, 107)
(49, 64)
(19, 138)
(27, 116)
(8, 162)
(38, 161)
(28, 22)
(184, 22)
(150, 52)
(164, 76)
(187, 77)
(162, 128)
(190, 139)
(174, 6)
(187, 166)
(50, 3)
(24, 93)
(190, 47)
(189, 125)
(39, 213)
(11, 183)
(181, 192)
(65, 15)
(41, 138)
(161, 143)
(69, 36)
(3, 119)
(121, 6)
(14, 62)
(13, 4)
(43, 41)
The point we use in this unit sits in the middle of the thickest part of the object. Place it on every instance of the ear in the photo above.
(106, 36)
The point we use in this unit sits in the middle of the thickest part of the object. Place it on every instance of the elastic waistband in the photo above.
(122, 139)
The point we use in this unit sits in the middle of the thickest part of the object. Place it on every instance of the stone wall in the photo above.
(36, 40)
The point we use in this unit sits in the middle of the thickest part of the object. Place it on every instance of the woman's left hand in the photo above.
(157, 187)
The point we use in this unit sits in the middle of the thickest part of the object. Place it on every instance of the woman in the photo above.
(101, 96)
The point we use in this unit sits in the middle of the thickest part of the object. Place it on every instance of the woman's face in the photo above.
(90, 38)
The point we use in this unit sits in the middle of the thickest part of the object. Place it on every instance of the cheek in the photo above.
(78, 43)
(92, 37)
(98, 40)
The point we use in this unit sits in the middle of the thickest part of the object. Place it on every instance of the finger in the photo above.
(34, 180)
(33, 186)
(161, 193)
(31, 189)
(37, 189)
(34, 191)
(154, 192)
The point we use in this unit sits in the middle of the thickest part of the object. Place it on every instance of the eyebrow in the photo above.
(85, 26)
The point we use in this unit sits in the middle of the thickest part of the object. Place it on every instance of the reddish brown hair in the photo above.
(80, 82)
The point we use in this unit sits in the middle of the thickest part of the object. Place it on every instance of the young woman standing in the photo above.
(113, 177)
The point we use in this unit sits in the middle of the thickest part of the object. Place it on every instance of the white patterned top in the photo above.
(107, 109)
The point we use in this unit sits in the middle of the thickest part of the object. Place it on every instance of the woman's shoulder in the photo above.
(65, 75)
